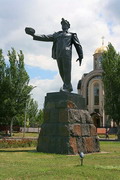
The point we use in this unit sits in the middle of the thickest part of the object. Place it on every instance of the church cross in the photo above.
(103, 40)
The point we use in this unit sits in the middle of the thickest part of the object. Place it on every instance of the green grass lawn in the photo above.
(111, 136)
(27, 164)
(20, 135)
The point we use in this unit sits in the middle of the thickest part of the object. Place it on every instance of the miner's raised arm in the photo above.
(42, 37)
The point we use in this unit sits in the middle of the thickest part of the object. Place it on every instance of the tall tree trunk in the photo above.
(25, 118)
(11, 127)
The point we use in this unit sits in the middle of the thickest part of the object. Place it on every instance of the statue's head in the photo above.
(65, 24)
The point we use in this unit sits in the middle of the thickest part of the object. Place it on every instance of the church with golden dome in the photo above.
(91, 88)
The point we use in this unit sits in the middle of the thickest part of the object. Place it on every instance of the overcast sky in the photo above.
(90, 19)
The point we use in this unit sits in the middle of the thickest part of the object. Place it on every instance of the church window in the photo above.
(96, 110)
(96, 94)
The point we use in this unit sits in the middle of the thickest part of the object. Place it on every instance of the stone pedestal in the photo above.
(67, 127)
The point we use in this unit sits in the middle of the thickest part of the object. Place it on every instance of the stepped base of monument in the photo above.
(67, 127)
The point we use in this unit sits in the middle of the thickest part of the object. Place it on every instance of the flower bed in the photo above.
(13, 143)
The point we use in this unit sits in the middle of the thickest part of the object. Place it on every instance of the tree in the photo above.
(111, 81)
(40, 117)
(34, 115)
(14, 86)
(32, 111)
(3, 86)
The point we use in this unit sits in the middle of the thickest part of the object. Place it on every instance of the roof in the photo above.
(101, 49)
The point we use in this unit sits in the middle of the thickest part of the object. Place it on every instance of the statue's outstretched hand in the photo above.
(80, 60)
(30, 31)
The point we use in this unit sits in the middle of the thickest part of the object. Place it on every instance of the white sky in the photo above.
(90, 19)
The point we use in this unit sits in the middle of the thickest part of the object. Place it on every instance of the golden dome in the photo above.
(101, 49)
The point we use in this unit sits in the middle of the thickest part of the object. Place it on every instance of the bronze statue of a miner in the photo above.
(62, 50)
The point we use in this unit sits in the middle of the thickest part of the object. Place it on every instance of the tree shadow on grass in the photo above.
(18, 150)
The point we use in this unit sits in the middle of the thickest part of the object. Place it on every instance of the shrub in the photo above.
(7, 143)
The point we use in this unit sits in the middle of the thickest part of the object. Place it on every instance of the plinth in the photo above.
(68, 127)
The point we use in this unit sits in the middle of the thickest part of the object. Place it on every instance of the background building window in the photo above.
(96, 94)
(96, 110)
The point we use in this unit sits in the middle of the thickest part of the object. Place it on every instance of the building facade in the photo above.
(91, 88)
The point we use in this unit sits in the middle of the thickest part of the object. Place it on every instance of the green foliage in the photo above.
(32, 110)
(111, 80)
(14, 86)
(34, 117)
(40, 117)
(3, 83)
